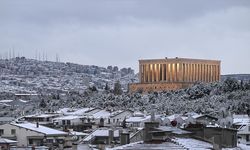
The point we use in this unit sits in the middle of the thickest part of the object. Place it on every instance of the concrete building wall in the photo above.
(21, 134)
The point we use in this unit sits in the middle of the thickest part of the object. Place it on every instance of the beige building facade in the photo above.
(174, 73)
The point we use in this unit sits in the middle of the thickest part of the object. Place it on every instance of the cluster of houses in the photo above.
(100, 128)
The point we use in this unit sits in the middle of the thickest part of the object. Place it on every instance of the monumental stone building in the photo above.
(174, 73)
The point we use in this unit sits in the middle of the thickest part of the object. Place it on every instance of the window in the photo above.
(113, 120)
(1, 132)
(49, 140)
(247, 138)
(68, 122)
(63, 122)
(30, 141)
(13, 131)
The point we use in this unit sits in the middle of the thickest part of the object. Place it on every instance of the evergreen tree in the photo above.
(117, 88)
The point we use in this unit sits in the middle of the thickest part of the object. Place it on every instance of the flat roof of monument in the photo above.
(166, 59)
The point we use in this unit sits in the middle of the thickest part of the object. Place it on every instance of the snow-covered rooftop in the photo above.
(138, 119)
(40, 129)
(79, 111)
(241, 119)
(41, 115)
(174, 116)
(193, 144)
(6, 101)
(78, 133)
(101, 114)
(71, 117)
(100, 132)
(6, 141)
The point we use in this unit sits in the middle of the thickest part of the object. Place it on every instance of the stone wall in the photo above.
(150, 87)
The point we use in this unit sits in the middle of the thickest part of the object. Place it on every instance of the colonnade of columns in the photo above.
(179, 72)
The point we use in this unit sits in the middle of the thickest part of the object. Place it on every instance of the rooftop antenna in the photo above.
(6, 55)
(36, 55)
(9, 54)
(46, 57)
(39, 56)
(13, 52)
(56, 57)
(43, 56)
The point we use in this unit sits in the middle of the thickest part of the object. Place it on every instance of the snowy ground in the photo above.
(193, 144)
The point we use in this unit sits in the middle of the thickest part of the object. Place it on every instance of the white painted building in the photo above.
(28, 134)
(116, 118)
(68, 120)
(244, 134)
(137, 120)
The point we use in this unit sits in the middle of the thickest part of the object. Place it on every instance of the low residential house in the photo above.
(102, 136)
(77, 123)
(240, 120)
(101, 118)
(92, 111)
(176, 119)
(116, 118)
(78, 112)
(244, 134)
(4, 120)
(5, 144)
(43, 119)
(29, 134)
(221, 137)
(137, 120)
(77, 136)
(205, 119)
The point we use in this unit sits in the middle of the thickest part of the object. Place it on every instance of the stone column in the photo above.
(194, 72)
(202, 78)
(176, 72)
(190, 72)
(149, 73)
(144, 73)
(183, 73)
(162, 72)
(186, 76)
(171, 72)
(180, 72)
(211, 73)
(167, 74)
(205, 72)
(140, 74)
(208, 73)
(159, 72)
(218, 72)
(199, 72)
(152, 73)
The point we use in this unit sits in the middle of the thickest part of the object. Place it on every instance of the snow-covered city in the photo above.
(124, 75)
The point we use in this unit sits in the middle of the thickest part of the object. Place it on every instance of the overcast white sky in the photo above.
(119, 32)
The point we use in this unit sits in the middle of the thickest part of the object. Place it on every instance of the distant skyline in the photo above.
(120, 32)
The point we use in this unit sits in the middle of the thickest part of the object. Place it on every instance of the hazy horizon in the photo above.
(119, 33)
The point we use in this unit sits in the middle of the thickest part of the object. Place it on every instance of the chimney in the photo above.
(124, 138)
(37, 124)
(111, 135)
